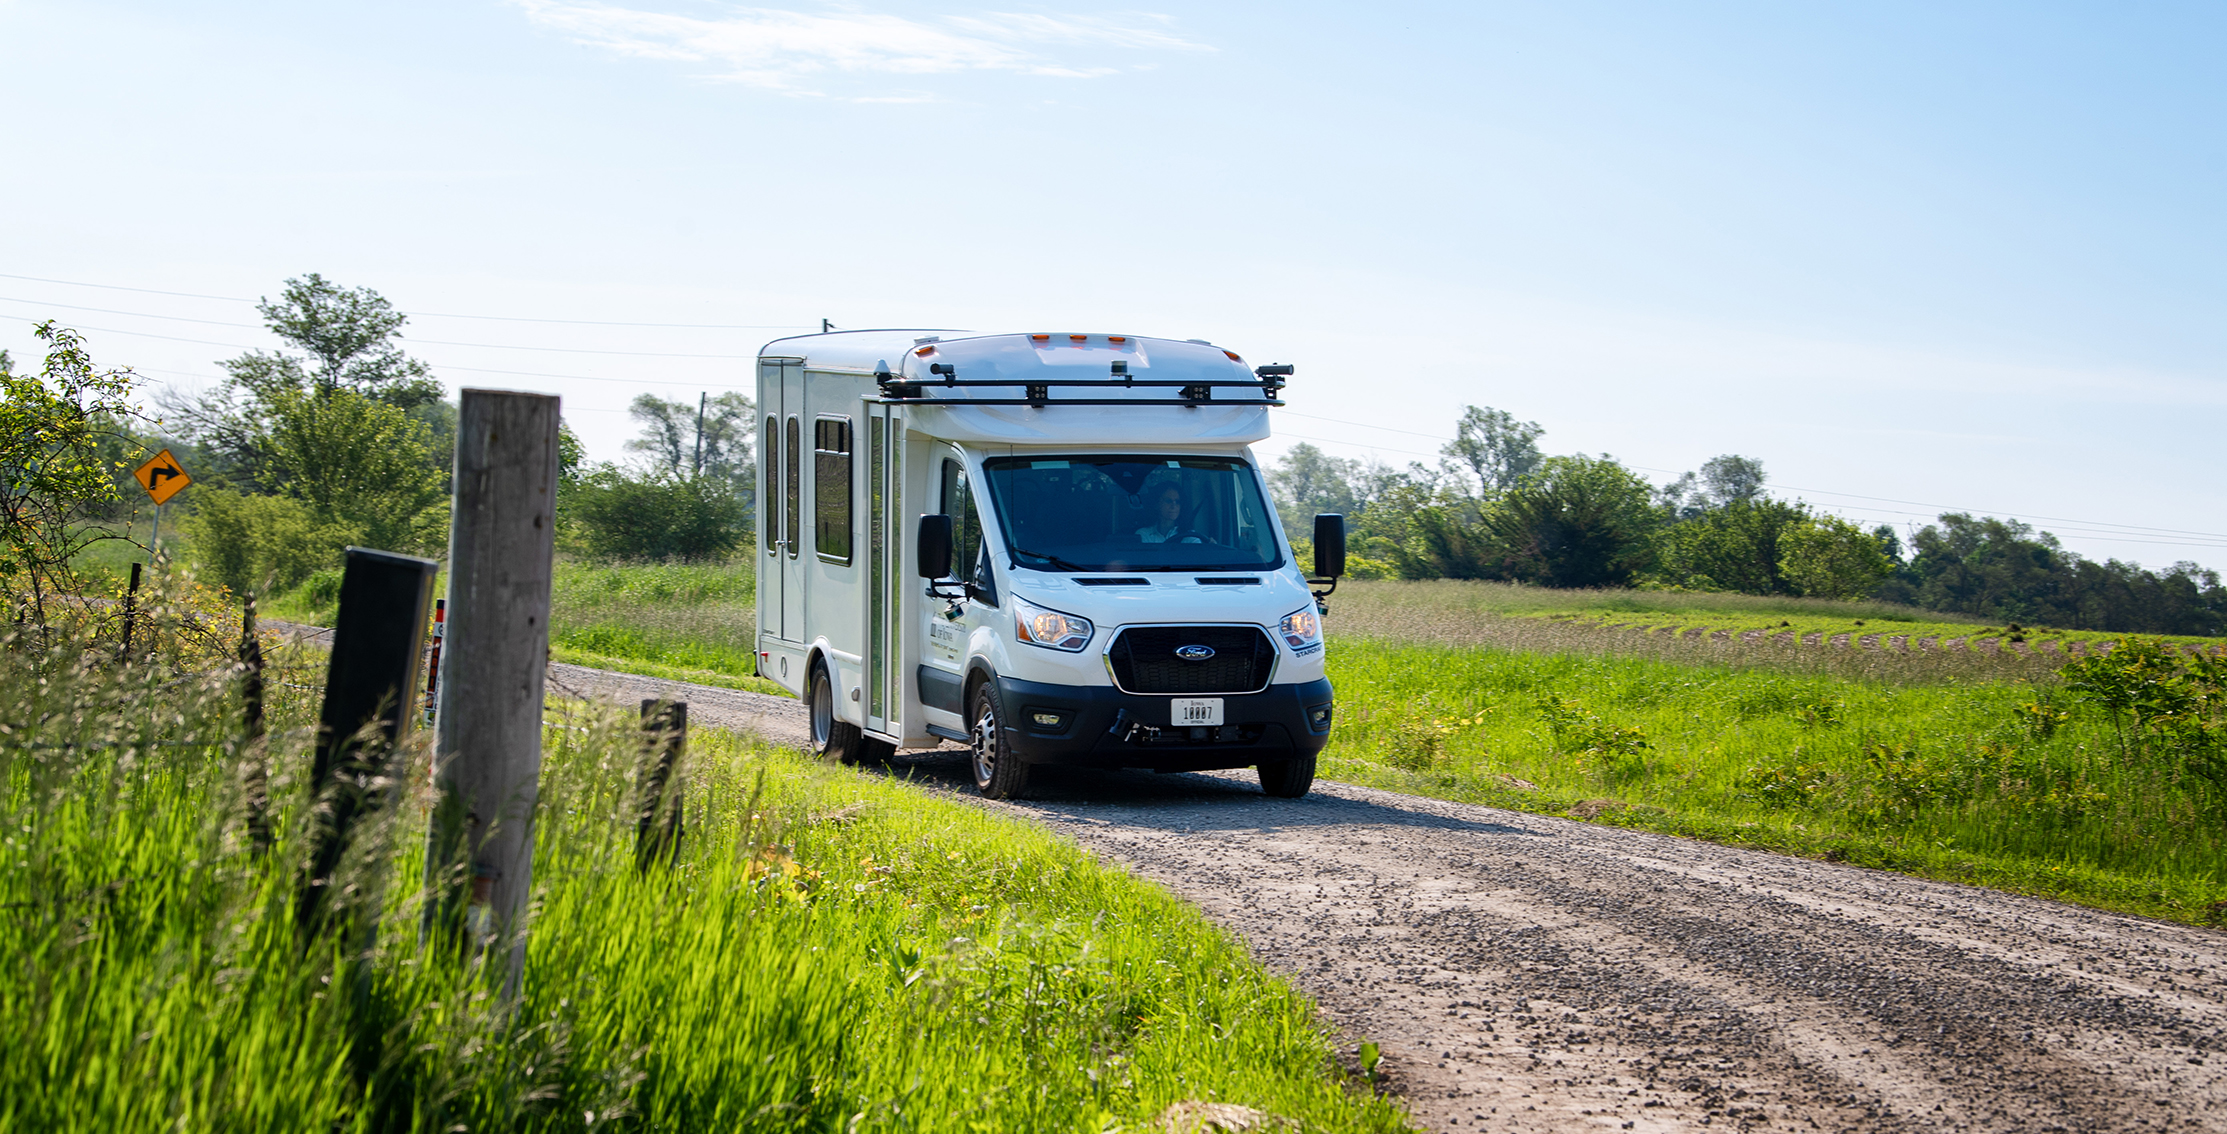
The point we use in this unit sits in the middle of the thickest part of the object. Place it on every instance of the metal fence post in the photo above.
(487, 762)
(368, 687)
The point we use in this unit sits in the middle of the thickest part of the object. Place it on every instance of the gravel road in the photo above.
(1528, 973)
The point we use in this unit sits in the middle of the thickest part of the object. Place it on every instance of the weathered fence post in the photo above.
(255, 772)
(368, 686)
(664, 741)
(487, 749)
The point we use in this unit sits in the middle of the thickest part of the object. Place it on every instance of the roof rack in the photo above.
(897, 389)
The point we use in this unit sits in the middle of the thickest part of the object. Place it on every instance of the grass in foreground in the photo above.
(829, 952)
(2011, 785)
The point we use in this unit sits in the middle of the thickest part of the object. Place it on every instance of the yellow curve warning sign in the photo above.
(162, 476)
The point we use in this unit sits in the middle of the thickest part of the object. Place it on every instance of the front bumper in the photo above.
(1101, 726)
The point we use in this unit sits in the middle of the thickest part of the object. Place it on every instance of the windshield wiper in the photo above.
(1054, 560)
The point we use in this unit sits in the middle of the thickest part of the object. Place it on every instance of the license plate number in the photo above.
(1196, 711)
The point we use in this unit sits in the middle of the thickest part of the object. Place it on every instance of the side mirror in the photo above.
(934, 544)
(1329, 545)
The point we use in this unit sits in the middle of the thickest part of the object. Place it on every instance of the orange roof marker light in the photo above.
(1040, 338)
(925, 351)
(1117, 338)
(1078, 338)
(1233, 356)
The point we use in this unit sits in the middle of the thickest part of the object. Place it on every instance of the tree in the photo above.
(2003, 569)
(350, 338)
(361, 465)
(710, 438)
(54, 426)
(1495, 448)
(1308, 481)
(1575, 522)
(1722, 480)
(1829, 557)
(1732, 547)
(1732, 478)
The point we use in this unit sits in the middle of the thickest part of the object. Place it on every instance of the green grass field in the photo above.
(687, 622)
(1471, 609)
(829, 952)
(1956, 765)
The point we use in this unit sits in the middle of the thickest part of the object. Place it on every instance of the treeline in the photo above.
(1496, 507)
(345, 439)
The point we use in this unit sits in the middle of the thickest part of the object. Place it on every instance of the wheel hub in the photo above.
(985, 747)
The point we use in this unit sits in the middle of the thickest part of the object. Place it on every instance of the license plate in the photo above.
(1196, 711)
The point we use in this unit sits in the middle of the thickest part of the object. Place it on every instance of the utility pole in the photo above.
(487, 757)
(701, 398)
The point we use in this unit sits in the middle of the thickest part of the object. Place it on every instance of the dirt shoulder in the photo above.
(1530, 973)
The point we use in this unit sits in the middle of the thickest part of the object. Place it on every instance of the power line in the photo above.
(113, 311)
(2094, 529)
(428, 342)
(418, 314)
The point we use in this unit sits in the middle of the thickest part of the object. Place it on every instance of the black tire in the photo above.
(832, 737)
(998, 773)
(1288, 779)
(877, 751)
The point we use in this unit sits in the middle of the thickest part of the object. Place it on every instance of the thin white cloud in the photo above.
(795, 52)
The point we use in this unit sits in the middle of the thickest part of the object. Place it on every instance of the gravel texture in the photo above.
(1530, 973)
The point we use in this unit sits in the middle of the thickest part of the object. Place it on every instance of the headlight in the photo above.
(1049, 628)
(1301, 629)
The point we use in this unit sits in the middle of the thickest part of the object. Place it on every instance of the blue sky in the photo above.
(1911, 256)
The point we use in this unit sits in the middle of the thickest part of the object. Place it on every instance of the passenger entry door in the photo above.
(889, 574)
(945, 622)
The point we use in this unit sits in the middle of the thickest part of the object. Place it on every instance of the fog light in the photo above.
(1046, 720)
(1318, 718)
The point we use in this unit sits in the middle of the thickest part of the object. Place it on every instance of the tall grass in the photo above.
(691, 621)
(1856, 639)
(2007, 783)
(1494, 615)
(827, 952)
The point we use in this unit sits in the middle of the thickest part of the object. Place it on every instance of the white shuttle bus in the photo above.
(1052, 548)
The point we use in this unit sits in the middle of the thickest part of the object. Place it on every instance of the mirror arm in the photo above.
(1322, 606)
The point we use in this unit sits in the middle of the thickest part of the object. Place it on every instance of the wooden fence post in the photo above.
(658, 788)
(487, 747)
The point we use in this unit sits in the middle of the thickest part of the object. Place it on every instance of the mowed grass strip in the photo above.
(830, 951)
(2012, 785)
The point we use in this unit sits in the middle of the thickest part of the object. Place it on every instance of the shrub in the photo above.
(259, 544)
(659, 515)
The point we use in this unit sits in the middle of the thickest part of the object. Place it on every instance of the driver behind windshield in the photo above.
(1168, 503)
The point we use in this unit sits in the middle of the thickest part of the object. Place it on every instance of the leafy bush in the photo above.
(658, 515)
(54, 473)
(259, 544)
(2164, 705)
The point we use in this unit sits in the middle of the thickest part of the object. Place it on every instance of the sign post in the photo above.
(163, 477)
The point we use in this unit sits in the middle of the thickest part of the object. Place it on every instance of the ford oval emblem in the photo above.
(1194, 653)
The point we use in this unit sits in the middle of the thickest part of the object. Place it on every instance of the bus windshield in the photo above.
(1133, 513)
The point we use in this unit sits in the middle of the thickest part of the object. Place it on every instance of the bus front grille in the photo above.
(1145, 659)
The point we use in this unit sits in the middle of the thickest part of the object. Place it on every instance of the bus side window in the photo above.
(769, 485)
(831, 487)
